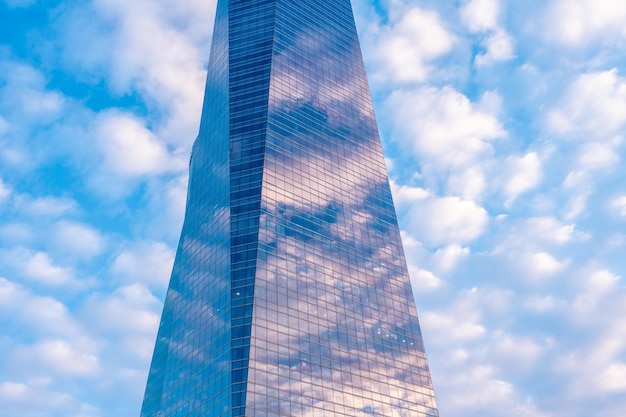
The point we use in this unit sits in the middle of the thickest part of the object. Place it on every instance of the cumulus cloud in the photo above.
(547, 229)
(453, 327)
(423, 280)
(481, 16)
(130, 149)
(592, 108)
(518, 352)
(599, 357)
(156, 49)
(24, 95)
(27, 107)
(618, 206)
(448, 220)
(405, 194)
(35, 315)
(469, 184)
(38, 397)
(145, 262)
(597, 155)
(446, 258)
(523, 174)
(440, 220)
(597, 286)
(77, 240)
(498, 46)
(590, 117)
(407, 47)
(59, 356)
(544, 304)
(49, 206)
(531, 248)
(613, 379)
(130, 315)
(539, 265)
(39, 267)
(442, 126)
(575, 23)
(465, 319)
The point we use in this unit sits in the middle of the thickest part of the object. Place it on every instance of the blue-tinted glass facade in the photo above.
(290, 294)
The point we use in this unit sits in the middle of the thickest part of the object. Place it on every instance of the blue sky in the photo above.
(503, 125)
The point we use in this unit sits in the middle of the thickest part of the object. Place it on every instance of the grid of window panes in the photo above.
(335, 330)
(251, 38)
(190, 372)
(290, 294)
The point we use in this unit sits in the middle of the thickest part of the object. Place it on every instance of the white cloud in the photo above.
(156, 49)
(516, 351)
(469, 184)
(423, 280)
(36, 316)
(130, 149)
(12, 389)
(442, 126)
(539, 265)
(480, 15)
(597, 155)
(45, 206)
(578, 22)
(454, 328)
(548, 229)
(618, 206)
(24, 97)
(542, 304)
(129, 315)
(598, 286)
(447, 220)
(591, 112)
(145, 262)
(73, 240)
(39, 397)
(17, 233)
(470, 334)
(499, 47)
(532, 248)
(593, 108)
(167, 207)
(407, 47)
(60, 356)
(39, 267)
(524, 174)
(613, 379)
(576, 204)
(404, 194)
(446, 259)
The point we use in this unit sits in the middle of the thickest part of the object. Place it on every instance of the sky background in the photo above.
(503, 124)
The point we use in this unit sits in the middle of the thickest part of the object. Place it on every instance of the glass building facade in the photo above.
(290, 294)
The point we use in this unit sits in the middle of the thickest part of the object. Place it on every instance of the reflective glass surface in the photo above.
(290, 294)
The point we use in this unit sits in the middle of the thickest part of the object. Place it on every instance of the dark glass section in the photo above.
(190, 372)
(251, 38)
(290, 294)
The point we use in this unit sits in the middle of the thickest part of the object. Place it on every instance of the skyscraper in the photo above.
(290, 294)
